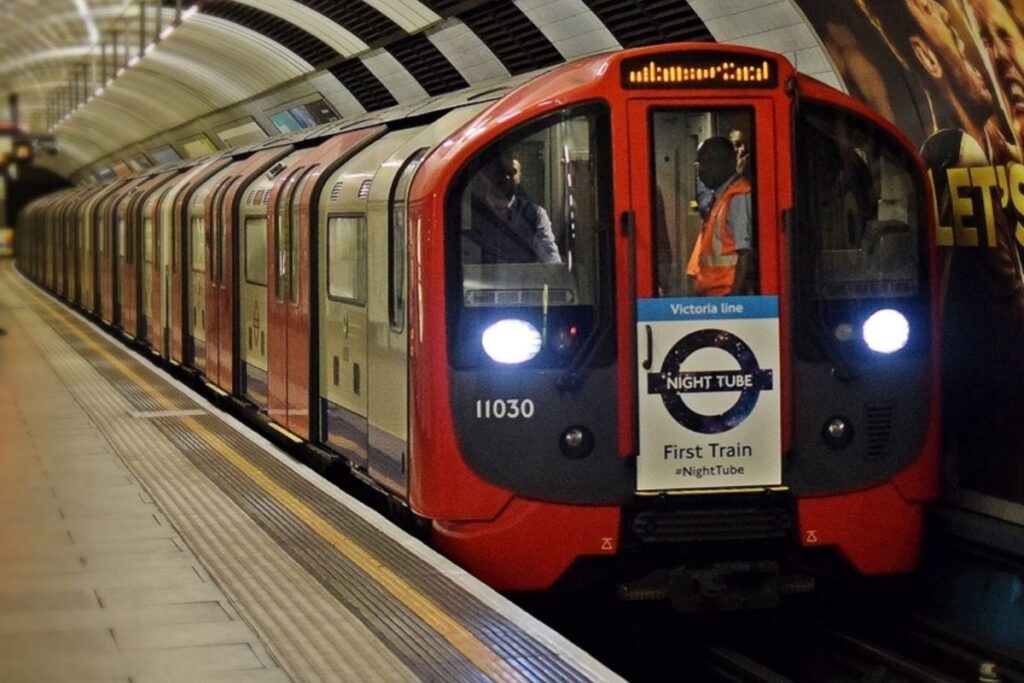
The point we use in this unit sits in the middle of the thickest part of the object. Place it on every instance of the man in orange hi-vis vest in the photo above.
(721, 260)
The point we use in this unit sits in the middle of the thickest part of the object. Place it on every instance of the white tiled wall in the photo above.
(395, 77)
(571, 27)
(776, 25)
(466, 52)
(343, 101)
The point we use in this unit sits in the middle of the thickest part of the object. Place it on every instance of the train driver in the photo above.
(722, 257)
(510, 227)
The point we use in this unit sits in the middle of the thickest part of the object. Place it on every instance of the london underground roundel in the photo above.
(709, 411)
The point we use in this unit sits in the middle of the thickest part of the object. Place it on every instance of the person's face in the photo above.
(958, 64)
(517, 172)
(1003, 39)
(499, 182)
(712, 169)
(739, 142)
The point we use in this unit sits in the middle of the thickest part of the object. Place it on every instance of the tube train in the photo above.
(542, 395)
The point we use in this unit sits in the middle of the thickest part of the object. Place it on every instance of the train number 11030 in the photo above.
(504, 408)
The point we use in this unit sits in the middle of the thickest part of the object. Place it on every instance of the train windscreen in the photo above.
(527, 216)
(859, 245)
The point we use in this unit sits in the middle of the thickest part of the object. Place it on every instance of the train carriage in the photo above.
(496, 309)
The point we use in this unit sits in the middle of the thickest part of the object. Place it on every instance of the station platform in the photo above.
(146, 536)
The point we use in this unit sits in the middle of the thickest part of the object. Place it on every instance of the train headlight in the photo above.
(886, 331)
(511, 341)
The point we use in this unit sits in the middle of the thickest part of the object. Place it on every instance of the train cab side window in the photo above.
(198, 245)
(346, 258)
(858, 193)
(528, 234)
(255, 236)
(398, 238)
(858, 244)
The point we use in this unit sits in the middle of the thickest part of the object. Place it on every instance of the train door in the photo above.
(167, 241)
(705, 255)
(156, 245)
(196, 267)
(348, 239)
(92, 280)
(85, 267)
(188, 286)
(285, 251)
(113, 250)
(170, 287)
(67, 232)
(124, 293)
(242, 271)
(388, 354)
(218, 301)
(293, 205)
(104, 262)
(148, 267)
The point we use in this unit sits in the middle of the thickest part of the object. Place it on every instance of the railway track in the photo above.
(861, 637)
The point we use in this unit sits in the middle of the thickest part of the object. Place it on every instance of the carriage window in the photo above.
(283, 241)
(346, 254)
(147, 226)
(198, 245)
(295, 245)
(398, 238)
(122, 248)
(256, 250)
(218, 250)
(286, 285)
(529, 221)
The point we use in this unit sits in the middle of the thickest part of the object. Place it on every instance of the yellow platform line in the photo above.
(475, 650)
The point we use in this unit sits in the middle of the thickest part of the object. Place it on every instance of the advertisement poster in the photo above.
(710, 412)
(950, 74)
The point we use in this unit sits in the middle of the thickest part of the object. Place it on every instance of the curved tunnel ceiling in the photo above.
(54, 54)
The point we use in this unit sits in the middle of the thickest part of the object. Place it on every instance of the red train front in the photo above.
(572, 395)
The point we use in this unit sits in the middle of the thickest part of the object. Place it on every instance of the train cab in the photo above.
(638, 337)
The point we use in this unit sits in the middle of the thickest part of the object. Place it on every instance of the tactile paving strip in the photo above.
(427, 654)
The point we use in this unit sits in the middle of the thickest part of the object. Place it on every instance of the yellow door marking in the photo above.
(477, 652)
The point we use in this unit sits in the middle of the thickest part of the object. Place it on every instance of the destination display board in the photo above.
(700, 69)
